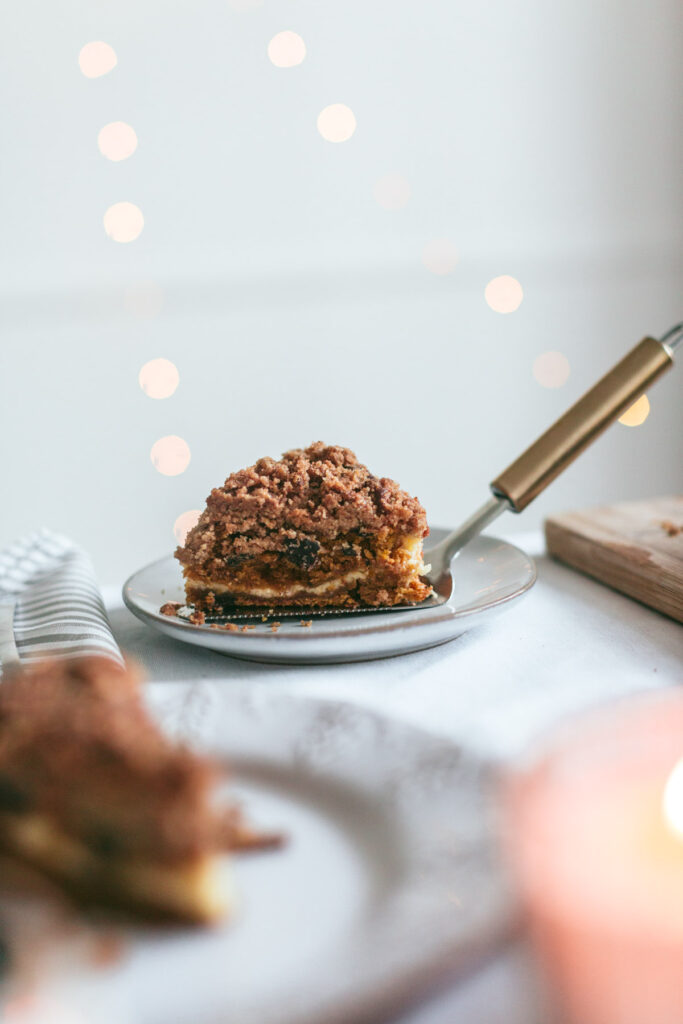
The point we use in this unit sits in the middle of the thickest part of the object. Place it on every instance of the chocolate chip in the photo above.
(303, 552)
(104, 842)
(12, 798)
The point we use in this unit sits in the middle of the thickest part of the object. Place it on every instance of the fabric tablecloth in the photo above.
(568, 644)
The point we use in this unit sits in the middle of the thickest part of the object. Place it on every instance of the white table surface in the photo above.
(568, 644)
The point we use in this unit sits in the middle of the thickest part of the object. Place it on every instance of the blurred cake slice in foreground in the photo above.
(313, 529)
(93, 795)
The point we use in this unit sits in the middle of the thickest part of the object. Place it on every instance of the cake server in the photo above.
(517, 486)
(525, 478)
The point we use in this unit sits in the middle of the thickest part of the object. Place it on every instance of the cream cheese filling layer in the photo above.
(297, 588)
(412, 547)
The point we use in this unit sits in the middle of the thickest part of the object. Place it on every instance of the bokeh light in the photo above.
(184, 524)
(124, 222)
(336, 123)
(145, 299)
(504, 294)
(159, 378)
(286, 50)
(96, 59)
(392, 192)
(636, 413)
(170, 455)
(440, 256)
(117, 141)
(551, 369)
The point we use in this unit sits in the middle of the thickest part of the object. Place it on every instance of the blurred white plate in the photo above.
(488, 575)
(389, 881)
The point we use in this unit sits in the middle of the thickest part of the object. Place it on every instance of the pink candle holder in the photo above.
(595, 833)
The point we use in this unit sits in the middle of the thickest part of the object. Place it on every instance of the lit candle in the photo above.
(595, 829)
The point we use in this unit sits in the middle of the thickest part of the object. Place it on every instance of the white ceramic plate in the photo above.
(488, 575)
(389, 881)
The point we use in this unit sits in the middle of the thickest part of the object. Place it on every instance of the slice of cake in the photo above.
(94, 796)
(313, 529)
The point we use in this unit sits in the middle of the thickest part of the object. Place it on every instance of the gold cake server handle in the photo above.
(554, 450)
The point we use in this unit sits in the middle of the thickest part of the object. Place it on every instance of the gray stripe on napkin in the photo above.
(59, 610)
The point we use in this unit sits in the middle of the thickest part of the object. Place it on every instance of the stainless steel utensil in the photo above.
(518, 485)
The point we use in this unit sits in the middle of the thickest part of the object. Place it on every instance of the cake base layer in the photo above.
(205, 599)
(353, 571)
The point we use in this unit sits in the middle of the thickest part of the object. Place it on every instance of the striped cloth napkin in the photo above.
(50, 605)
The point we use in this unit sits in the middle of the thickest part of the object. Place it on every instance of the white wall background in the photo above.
(543, 140)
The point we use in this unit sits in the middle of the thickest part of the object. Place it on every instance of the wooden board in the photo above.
(635, 547)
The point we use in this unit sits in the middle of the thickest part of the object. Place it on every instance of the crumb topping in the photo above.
(170, 608)
(293, 504)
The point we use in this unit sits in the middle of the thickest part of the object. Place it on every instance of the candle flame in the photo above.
(673, 800)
